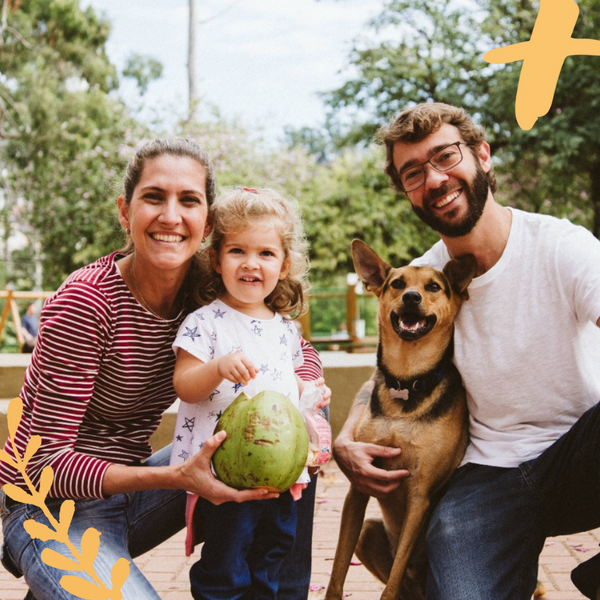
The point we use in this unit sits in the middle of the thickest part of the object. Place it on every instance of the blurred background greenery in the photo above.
(65, 136)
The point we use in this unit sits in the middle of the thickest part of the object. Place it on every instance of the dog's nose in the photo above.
(411, 298)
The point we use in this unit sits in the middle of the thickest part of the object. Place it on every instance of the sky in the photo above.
(261, 61)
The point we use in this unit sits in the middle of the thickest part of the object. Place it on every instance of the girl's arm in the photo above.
(195, 380)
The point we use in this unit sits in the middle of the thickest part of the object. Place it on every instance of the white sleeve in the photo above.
(578, 272)
(194, 336)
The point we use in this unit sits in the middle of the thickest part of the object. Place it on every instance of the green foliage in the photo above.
(351, 198)
(421, 51)
(62, 131)
(555, 166)
(143, 69)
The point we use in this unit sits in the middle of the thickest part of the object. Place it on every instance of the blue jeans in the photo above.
(244, 546)
(487, 532)
(131, 524)
(294, 577)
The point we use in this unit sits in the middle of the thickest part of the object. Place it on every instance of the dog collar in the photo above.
(404, 389)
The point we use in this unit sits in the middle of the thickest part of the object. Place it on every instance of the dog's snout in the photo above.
(411, 298)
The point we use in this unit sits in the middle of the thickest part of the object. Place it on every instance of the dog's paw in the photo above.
(540, 590)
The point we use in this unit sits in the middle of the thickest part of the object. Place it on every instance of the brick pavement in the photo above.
(167, 567)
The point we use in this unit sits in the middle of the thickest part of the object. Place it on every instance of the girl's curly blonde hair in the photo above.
(240, 208)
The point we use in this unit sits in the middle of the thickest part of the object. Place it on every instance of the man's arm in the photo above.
(355, 459)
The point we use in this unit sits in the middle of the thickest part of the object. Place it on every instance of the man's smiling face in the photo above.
(452, 202)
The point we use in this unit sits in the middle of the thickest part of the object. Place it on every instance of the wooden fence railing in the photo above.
(355, 339)
(11, 308)
(352, 341)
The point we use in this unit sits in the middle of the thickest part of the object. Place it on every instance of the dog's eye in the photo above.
(433, 287)
(398, 284)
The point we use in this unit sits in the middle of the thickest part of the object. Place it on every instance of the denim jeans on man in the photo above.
(487, 532)
(130, 524)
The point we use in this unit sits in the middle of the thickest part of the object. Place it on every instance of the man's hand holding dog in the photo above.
(355, 459)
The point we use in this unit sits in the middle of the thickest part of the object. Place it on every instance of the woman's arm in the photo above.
(74, 327)
(194, 475)
(311, 368)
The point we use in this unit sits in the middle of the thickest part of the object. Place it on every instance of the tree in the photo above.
(143, 69)
(555, 166)
(421, 51)
(62, 130)
(436, 52)
(351, 198)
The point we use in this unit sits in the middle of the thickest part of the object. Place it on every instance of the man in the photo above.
(528, 348)
(29, 327)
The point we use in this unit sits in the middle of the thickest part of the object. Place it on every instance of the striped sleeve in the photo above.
(74, 331)
(312, 368)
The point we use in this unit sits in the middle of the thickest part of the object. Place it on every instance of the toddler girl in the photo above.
(240, 341)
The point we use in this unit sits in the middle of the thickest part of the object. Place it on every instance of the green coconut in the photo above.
(266, 444)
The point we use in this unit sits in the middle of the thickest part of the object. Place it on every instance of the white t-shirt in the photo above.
(216, 330)
(526, 342)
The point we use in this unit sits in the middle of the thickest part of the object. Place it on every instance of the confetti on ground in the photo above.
(313, 587)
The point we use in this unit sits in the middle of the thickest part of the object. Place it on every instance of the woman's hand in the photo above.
(197, 477)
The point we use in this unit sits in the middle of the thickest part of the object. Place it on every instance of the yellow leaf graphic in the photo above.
(84, 589)
(90, 544)
(4, 457)
(67, 510)
(15, 412)
(17, 494)
(39, 530)
(58, 561)
(46, 479)
(118, 576)
(33, 445)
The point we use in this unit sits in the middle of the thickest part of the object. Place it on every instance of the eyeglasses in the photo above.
(447, 158)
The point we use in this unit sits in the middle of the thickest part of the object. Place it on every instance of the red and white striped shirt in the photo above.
(100, 378)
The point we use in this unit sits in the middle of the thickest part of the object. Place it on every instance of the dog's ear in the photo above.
(460, 271)
(371, 269)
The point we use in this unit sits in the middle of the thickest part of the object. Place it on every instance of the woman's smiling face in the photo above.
(168, 212)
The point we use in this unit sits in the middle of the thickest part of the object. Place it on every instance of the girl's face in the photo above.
(168, 212)
(251, 262)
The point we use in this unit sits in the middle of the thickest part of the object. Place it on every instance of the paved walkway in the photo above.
(167, 568)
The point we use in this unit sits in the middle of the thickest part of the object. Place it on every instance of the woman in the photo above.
(101, 377)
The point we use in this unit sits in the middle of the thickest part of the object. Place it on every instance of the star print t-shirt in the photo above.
(217, 330)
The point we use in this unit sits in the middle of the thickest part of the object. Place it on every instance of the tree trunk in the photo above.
(193, 100)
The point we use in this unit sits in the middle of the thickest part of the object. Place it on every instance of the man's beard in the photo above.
(476, 193)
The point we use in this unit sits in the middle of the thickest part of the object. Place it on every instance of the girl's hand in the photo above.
(236, 367)
(196, 477)
(325, 392)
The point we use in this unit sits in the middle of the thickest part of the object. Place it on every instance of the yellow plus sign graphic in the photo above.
(543, 57)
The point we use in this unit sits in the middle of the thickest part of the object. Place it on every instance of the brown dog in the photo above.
(418, 404)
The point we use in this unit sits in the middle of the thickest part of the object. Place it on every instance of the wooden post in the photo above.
(304, 321)
(351, 311)
(16, 320)
(5, 312)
